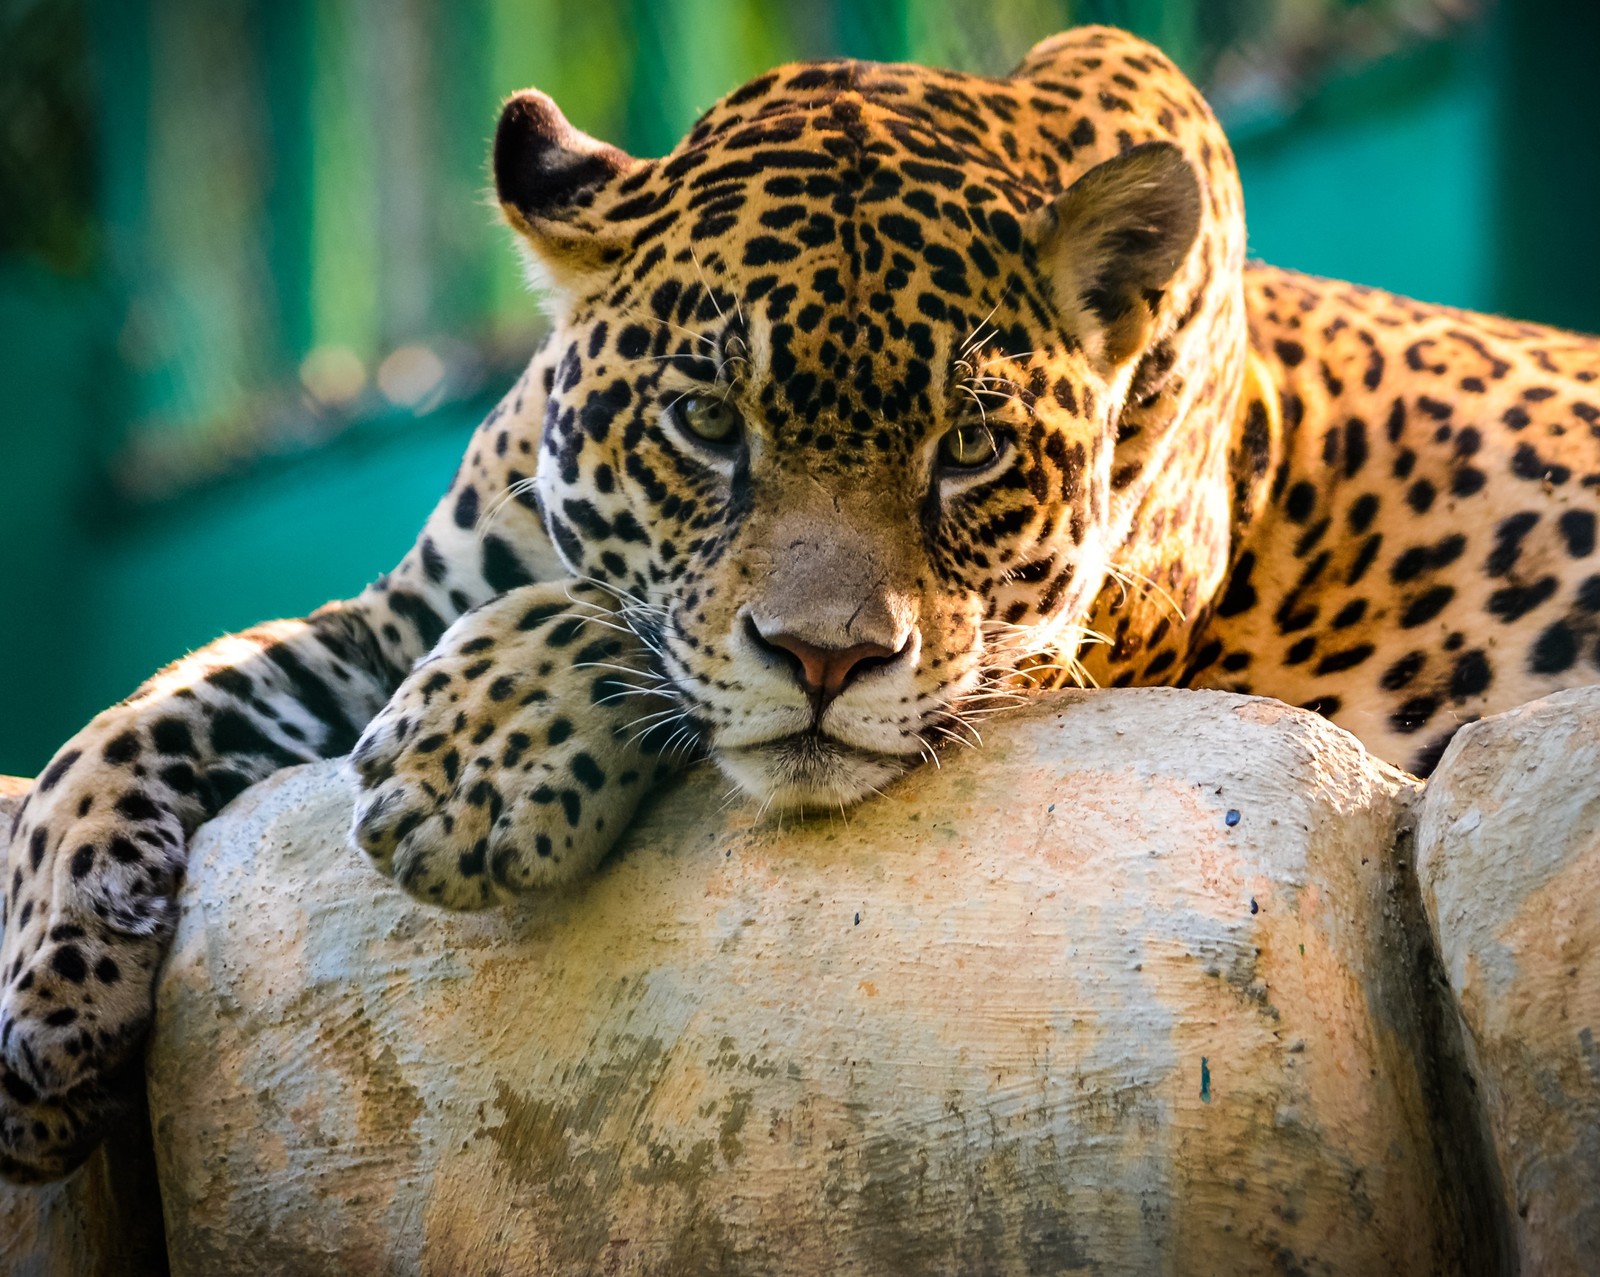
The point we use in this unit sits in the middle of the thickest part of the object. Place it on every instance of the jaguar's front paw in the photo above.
(512, 757)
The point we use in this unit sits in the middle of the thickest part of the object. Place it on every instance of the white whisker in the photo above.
(1128, 576)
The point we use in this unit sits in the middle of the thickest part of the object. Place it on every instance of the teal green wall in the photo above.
(1386, 181)
(49, 651)
(271, 544)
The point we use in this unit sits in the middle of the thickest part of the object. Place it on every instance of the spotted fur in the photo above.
(1207, 473)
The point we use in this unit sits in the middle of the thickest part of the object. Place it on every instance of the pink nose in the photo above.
(824, 672)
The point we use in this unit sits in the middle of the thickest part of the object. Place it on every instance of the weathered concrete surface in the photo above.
(105, 1219)
(1508, 852)
(1051, 1009)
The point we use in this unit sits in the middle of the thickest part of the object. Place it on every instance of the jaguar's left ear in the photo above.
(553, 181)
(1113, 242)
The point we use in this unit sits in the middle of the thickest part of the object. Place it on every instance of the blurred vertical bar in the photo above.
(1549, 161)
(392, 42)
(119, 33)
(346, 226)
(462, 221)
(210, 341)
(286, 33)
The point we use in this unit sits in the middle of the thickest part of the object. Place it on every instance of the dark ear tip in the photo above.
(1163, 157)
(1165, 165)
(531, 126)
(541, 161)
(529, 117)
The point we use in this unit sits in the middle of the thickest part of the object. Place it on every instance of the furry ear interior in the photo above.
(1112, 242)
(550, 177)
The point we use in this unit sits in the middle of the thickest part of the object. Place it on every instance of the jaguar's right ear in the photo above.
(551, 179)
(1112, 243)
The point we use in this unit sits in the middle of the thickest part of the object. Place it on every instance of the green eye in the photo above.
(714, 420)
(968, 447)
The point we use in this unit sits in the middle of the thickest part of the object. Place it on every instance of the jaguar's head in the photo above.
(837, 396)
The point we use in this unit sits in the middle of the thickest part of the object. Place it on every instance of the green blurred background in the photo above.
(253, 297)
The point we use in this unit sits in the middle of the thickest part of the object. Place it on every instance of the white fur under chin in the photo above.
(809, 772)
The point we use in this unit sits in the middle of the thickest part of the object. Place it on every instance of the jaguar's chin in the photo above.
(809, 771)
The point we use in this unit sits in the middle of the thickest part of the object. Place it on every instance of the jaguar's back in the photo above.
(1428, 552)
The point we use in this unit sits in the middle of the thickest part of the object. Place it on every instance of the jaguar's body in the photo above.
(890, 393)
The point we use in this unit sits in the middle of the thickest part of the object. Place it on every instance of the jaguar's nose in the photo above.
(823, 672)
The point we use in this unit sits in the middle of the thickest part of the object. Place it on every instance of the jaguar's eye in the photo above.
(712, 419)
(968, 448)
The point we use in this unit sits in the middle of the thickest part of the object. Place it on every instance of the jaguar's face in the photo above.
(842, 519)
(844, 436)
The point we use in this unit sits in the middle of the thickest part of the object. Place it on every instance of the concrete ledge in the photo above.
(1508, 852)
(1145, 984)
(1135, 988)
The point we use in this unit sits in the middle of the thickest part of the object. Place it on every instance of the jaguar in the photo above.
(890, 397)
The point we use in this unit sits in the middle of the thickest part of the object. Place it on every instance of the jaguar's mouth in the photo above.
(809, 770)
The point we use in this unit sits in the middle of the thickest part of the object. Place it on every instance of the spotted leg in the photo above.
(99, 844)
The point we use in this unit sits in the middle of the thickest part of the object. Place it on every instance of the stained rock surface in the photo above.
(1508, 853)
(1143, 985)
